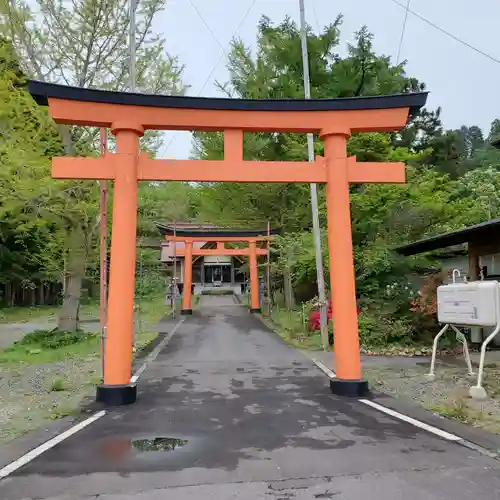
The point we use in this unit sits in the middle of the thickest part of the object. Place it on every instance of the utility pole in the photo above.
(320, 278)
(132, 46)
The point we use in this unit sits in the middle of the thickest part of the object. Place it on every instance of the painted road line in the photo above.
(417, 423)
(329, 373)
(412, 421)
(154, 353)
(31, 455)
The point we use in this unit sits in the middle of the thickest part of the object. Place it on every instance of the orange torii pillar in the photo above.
(128, 115)
(187, 308)
(254, 277)
(188, 252)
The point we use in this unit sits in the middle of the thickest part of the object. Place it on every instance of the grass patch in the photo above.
(54, 339)
(37, 354)
(290, 325)
(62, 412)
(149, 312)
(44, 313)
(58, 384)
(50, 346)
(457, 410)
(26, 314)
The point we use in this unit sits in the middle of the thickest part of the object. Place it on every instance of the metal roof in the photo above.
(483, 231)
(42, 91)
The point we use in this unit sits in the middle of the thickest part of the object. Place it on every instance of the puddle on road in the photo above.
(158, 444)
(121, 448)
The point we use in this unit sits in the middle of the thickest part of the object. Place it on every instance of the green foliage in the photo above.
(377, 328)
(49, 228)
(451, 175)
(62, 412)
(164, 202)
(54, 339)
(150, 283)
(58, 384)
(276, 72)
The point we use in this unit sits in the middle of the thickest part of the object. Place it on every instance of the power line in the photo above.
(204, 21)
(451, 35)
(403, 29)
(224, 52)
(313, 2)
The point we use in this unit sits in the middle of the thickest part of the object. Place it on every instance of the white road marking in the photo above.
(31, 455)
(154, 353)
(36, 452)
(329, 373)
(417, 423)
(412, 421)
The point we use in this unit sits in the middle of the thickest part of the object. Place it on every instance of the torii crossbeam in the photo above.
(129, 115)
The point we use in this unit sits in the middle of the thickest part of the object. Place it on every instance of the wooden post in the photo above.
(343, 290)
(117, 388)
(254, 278)
(474, 269)
(188, 279)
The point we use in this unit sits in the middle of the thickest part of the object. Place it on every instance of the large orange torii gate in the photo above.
(220, 237)
(129, 115)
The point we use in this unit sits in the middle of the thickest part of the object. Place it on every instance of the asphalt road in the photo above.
(231, 412)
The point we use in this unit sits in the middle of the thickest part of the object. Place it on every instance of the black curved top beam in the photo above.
(41, 92)
(216, 233)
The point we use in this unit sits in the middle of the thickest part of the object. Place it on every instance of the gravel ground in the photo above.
(447, 395)
(27, 400)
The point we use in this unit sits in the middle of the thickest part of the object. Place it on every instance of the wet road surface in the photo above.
(228, 411)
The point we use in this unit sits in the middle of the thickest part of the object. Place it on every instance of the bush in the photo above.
(383, 329)
(424, 307)
(54, 339)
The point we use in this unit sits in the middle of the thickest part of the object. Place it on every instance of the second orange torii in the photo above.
(220, 237)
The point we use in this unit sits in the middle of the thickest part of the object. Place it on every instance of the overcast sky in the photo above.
(464, 83)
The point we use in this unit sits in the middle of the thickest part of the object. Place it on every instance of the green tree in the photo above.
(31, 243)
(276, 72)
(84, 43)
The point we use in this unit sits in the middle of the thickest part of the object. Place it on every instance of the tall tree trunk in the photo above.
(75, 272)
(8, 293)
